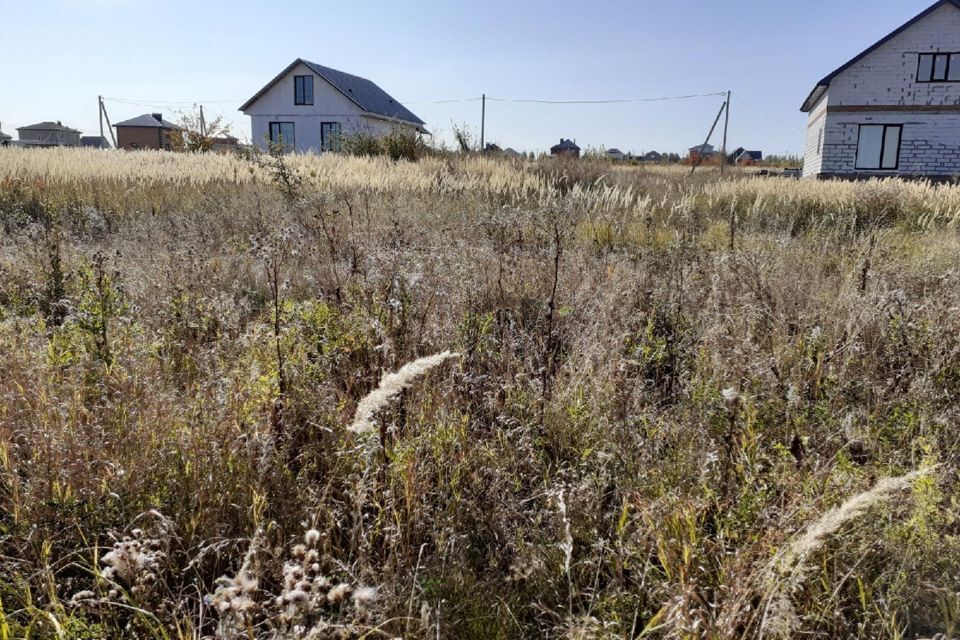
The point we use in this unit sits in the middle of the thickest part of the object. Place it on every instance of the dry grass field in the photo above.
(672, 407)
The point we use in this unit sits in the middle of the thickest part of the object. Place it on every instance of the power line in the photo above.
(451, 100)
(767, 116)
(144, 102)
(574, 102)
(611, 100)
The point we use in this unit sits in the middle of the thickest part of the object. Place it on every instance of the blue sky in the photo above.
(60, 54)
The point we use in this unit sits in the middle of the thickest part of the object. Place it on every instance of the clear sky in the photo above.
(56, 56)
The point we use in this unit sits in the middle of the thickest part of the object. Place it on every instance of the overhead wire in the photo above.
(765, 115)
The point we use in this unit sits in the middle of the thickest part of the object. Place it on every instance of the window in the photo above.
(938, 67)
(330, 136)
(820, 142)
(282, 133)
(879, 146)
(302, 90)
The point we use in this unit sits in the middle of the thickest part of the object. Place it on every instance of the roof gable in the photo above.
(362, 92)
(47, 126)
(821, 88)
(148, 121)
(98, 142)
(565, 144)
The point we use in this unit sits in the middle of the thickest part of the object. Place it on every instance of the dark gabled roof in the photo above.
(362, 92)
(148, 121)
(824, 84)
(47, 126)
(98, 142)
(4, 136)
(614, 151)
(565, 144)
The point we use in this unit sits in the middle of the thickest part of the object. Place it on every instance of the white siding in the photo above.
(329, 105)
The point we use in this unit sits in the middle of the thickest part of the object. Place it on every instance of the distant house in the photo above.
(94, 142)
(149, 131)
(224, 143)
(510, 152)
(566, 148)
(48, 134)
(652, 156)
(745, 156)
(311, 108)
(5, 139)
(703, 150)
(615, 154)
(894, 109)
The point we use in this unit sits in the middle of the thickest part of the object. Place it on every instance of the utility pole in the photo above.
(100, 114)
(103, 114)
(696, 162)
(203, 124)
(483, 122)
(726, 125)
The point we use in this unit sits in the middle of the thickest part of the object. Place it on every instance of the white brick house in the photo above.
(311, 108)
(895, 108)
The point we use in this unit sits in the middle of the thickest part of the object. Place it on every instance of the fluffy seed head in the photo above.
(392, 384)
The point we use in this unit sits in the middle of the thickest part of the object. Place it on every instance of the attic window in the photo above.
(938, 67)
(302, 90)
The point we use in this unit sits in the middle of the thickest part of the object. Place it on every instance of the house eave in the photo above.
(259, 94)
(815, 97)
(419, 126)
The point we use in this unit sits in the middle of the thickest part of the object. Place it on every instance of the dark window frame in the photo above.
(300, 85)
(324, 126)
(949, 55)
(883, 147)
(820, 137)
(287, 145)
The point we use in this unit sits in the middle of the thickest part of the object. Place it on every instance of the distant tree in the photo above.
(464, 138)
(193, 137)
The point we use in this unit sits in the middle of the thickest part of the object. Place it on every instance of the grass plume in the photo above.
(781, 619)
(391, 384)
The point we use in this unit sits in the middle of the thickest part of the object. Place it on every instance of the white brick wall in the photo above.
(930, 143)
(888, 76)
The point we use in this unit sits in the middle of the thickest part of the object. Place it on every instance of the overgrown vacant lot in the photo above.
(678, 407)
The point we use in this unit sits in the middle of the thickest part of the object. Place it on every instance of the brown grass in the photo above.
(185, 343)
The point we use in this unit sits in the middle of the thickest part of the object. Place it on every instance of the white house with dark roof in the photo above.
(311, 108)
(893, 109)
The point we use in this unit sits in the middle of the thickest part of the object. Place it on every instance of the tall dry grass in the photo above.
(662, 383)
